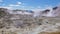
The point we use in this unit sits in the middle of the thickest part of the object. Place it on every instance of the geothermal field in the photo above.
(30, 22)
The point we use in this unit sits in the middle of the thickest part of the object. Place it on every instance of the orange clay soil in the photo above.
(49, 33)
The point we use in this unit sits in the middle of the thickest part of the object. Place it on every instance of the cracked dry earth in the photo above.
(33, 26)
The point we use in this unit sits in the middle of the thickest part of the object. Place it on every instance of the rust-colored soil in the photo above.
(49, 33)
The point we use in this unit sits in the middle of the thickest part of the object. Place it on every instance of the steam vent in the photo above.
(24, 21)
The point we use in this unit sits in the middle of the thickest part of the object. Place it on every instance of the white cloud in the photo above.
(1, 0)
(19, 3)
(6, 7)
(13, 5)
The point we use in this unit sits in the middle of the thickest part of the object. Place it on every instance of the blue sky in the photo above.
(28, 4)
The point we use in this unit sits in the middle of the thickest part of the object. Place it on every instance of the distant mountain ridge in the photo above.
(54, 12)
